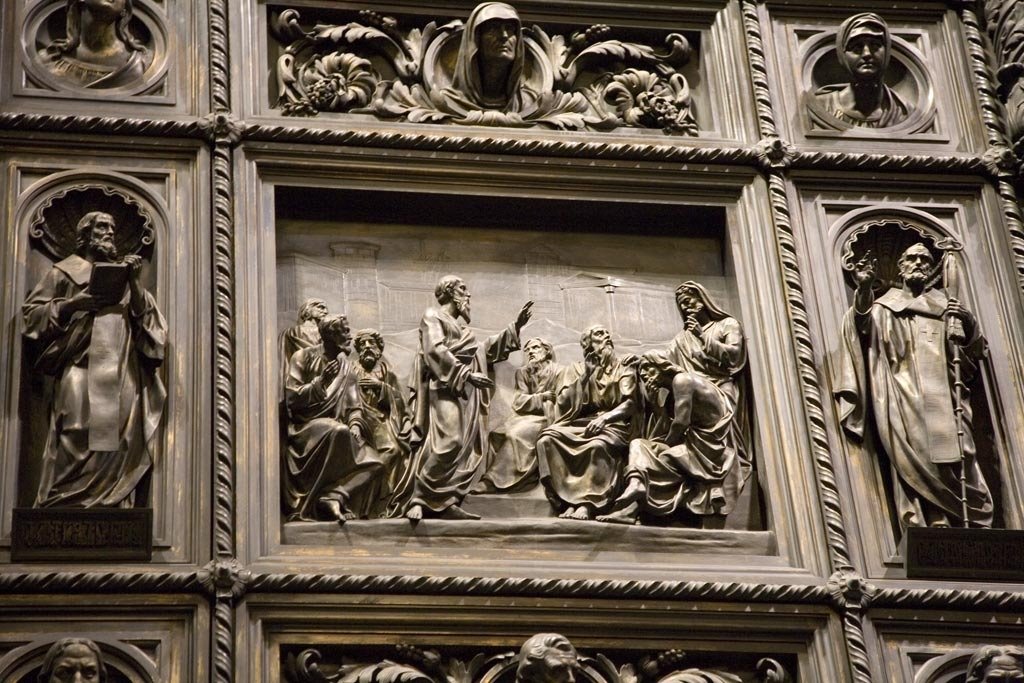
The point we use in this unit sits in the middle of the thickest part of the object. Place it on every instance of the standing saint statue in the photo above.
(580, 455)
(864, 48)
(512, 448)
(693, 455)
(329, 465)
(99, 50)
(92, 326)
(388, 420)
(449, 400)
(73, 660)
(896, 365)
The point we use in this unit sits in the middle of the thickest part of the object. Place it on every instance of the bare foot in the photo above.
(628, 514)
(415, 513)
(330, 510)
(634, 493)
(569, 512)
(582, 513)
(455, 512)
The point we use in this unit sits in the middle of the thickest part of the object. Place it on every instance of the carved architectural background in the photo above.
(263, 153)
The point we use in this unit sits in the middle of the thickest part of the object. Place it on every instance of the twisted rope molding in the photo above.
(100, 582)
(560, 588)
(995, 131)
(758, 70)
(104, 125)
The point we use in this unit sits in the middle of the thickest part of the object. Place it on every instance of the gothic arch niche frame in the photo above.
(122, 660)
(162, 189)
(927, 47)
(150, 638)
(950, 209)
(788, 478)
(935, 646)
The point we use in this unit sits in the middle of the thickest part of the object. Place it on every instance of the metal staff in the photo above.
(957, 337)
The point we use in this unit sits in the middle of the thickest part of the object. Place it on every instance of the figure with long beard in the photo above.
(303, 334)
(512, 448)
(580, 455)
(330, 467)
(387, 419)
(895, 364)
(449, 400)
(103, 345)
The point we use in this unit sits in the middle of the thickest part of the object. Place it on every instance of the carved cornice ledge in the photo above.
(100, 582)
(101, 125)
(845, 161)
(439, 142)
(561, 588)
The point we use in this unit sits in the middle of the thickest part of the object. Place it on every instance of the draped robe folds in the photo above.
(825, 105)
(384, 412)
(103, 374)
(293, 340)
(323, 453)
(586, 470)
(90, 75)
(448, 411)
(907, 384)
(703, 471)
(512, 448)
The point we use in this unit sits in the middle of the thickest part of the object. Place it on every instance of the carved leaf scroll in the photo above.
(590, 81)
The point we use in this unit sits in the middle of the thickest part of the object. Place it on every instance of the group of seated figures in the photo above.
(609, 438)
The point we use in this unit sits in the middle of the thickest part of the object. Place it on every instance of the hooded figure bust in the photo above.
(864, 48)
(489, 67)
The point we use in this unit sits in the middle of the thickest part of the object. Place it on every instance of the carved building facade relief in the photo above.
(484, 342)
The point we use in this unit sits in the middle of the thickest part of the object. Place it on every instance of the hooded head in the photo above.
(492, 32)
(690, 294)
(863, 45)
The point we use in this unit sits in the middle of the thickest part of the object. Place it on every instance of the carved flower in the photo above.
(642, 98)
(338, 82)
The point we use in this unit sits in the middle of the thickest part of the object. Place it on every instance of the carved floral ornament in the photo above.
(491, 70)
(543, 658)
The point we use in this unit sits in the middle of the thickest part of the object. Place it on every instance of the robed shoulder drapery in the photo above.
(448, 411)
(108, 399)
(323, 452)
(577, 469)
(895, 367)
(704, 470)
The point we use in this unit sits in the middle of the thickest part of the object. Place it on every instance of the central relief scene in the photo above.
(509, 362)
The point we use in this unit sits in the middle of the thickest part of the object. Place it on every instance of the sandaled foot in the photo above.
(455, 512)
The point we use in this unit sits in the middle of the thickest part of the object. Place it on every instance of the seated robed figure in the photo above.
(329, 464)
(512, 447)
(693, 455)
(580, 455)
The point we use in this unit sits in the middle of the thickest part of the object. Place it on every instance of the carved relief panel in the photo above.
(123, 52)
(864, 80)
(498, 67)
(102, 369)
(890, 253)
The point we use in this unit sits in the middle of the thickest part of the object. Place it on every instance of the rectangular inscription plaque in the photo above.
(983, 554)
(84, 535)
